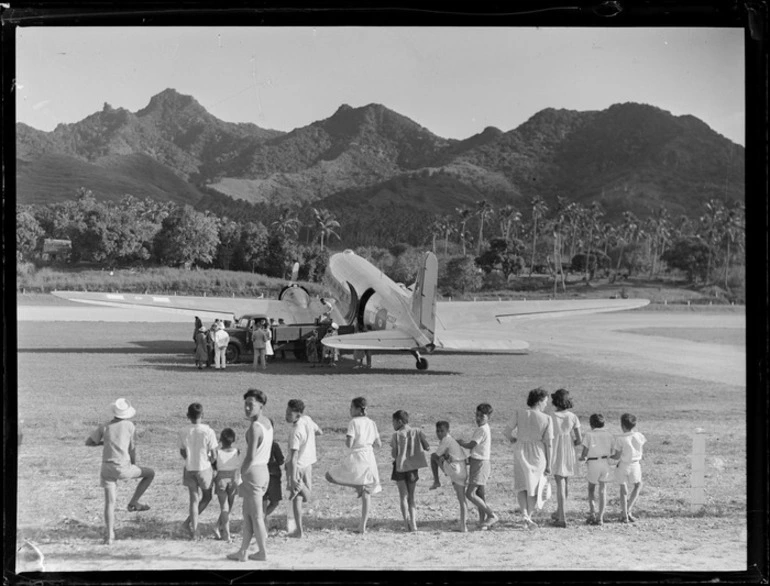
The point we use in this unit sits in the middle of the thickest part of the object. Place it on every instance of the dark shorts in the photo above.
(225, 482)
(478, 472)
(202, 479)
(410, 476)
(273, 493)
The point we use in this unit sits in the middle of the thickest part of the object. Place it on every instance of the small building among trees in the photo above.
(55, 250)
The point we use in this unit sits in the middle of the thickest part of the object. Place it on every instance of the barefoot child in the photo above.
(452, 459)
(302, 456)
(359, 468)
(597, 448)
(628, 449)
(273, 496)
(480, 467)
(118, 437)
(254, 476)
(197, 445)
(226, 480)
(565, 425)
(408, 450)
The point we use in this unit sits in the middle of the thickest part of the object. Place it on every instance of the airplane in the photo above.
(386, 315)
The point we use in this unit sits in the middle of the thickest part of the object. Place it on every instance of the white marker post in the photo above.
(698, 479)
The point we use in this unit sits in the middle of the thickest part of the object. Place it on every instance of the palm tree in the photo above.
(711, 224)
(448, 228)
(287, 222)
(325, 224)
(465, 215)
(539, 209)
(483, 211)
(733, 229)
(436, 229)
(591, 218)
(625, 233)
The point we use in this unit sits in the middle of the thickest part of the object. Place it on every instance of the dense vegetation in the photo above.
(480, 247)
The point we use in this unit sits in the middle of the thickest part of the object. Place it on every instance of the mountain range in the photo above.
(364, 160)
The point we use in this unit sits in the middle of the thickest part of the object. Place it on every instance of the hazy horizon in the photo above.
(453, 81)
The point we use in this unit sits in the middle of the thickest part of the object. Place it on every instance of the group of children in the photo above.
(215, 466)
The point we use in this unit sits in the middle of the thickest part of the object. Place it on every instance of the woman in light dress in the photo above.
(565, 425)
(531, 432)
(359, 468)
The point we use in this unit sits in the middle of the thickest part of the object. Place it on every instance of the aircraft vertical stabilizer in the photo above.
(424, 297)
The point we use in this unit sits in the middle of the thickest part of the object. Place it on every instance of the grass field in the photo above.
(69, 373)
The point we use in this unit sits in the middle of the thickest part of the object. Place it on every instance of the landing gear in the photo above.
(422, 363)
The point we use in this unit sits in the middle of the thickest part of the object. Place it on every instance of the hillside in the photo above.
(360, 161)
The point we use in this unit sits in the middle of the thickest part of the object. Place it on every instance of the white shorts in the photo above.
(628, 473)
(457, 472)
(598, 471)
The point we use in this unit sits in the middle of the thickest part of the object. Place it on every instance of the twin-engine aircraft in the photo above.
(386, 315)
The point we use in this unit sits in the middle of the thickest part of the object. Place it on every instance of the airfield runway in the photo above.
(702, 354)
(614, 340)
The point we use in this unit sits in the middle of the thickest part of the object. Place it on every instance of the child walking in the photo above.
(480, 446)
(302, 456)
(565, 425)
(226, 481)
(118, 436)
(452, 459)
(273, 496)
(197, 445)
(408, 450)
(597, 448)
(628, 450)
(359, 468)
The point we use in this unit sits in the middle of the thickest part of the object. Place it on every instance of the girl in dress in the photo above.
(531, 432)
(565, 426)
(359, 468)
(408, 447)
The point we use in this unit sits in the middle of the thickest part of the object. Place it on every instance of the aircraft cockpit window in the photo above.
(244, 322)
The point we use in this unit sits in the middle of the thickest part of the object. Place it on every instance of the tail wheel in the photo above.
(232, 354)
(422, 364)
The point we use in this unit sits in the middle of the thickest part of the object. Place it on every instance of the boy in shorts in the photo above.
(198, 446)
(597, 448)
(302, 456)
(118, 437)
(480, 467)
(226, 480)
(452, 459)
(628, 449)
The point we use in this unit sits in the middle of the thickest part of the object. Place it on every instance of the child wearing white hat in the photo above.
(118, 436)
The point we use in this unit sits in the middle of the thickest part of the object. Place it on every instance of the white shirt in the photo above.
(599, 443)
(198, 441)
(483, 438)
(363, 431)
(630, 446)
(302, 439)
(449, 446)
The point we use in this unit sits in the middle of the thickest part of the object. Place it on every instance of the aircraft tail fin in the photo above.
(424, 295)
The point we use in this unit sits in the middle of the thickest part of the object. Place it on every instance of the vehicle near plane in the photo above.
(287, 338)
(385, 315)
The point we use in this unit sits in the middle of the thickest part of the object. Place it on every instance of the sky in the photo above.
(454, 81)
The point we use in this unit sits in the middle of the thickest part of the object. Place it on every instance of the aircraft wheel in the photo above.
(422, 364)
(232, 354)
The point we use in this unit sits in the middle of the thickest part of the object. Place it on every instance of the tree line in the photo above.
(480, 244)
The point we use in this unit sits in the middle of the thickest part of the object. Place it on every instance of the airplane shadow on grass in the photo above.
(186, 364)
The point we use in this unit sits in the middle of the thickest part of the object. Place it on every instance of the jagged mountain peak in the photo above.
(170, 100)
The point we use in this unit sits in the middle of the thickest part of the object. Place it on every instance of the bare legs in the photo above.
(475, 494)
(460, 492)
(198, 504)
(109, 512)
(561, 497)
(434, 466)
(365, 498)
(406, 499)
(148, 474)
(226, 500)
(627, 502)
(527, 506)
(253, 526)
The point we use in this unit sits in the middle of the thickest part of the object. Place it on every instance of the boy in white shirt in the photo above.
(302, 456)
(198, 446)
(597, 448)
(480, 467)
(628, 449)
(452, 459)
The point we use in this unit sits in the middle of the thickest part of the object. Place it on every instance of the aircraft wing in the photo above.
(480, 341)
(453, 315)
(205, 307)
